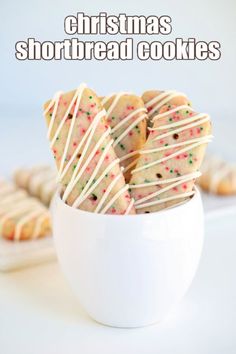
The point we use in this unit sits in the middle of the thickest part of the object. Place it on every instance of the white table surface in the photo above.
(40, 315)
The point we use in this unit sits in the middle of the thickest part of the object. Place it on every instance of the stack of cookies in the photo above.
(24, 213)
(124, 154)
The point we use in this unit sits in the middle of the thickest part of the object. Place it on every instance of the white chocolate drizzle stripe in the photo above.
(165, 181)
(78, 201)
(185, 127)
(54, 102)
(173, 146)
(164, 101)
(113, 200)
(68, 139)
(180, 108)
(107, 170)
(127, 118)
(182, 122)
(187, 178)
(131, 204)
(105, 195)
(158, 98)
(131, 154)
(184, 195)
(180, 151)
(88, 135)
(39, 223)
(115, 101)
(24, 220)
(129, 166)
(122, 136)
(81, 87)
(73, 182)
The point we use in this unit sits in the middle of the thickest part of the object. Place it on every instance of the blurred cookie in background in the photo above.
(38, 181)
(218, 176)
(22, 217)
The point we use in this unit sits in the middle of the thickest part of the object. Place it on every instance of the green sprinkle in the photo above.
(187, 112)
(146, 180)
(113, 117)
(129, 189)
(122, 146)
(201, 128)
(190, 154)
(138, 131)
(90, 97)
(171, 171)
(50, 114)
(178, 174)
(166, 144)
(74, 167)
(170, 119)
(88, 113)
(57, 138)
(106, 175)
(190, 161)
(102, 148)
(136, 126)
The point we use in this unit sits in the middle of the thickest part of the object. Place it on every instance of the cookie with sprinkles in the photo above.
(127, 118)
(21, 217)
(89, 171)
(154, 100)
(218, 176)
(38, 181)
(171, 158)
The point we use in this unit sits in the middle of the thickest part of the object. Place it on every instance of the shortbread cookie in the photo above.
(39, 181)
(88, 168)
(154, 100)
(21, 217)
(171, 158)
(127, 118)
(218, 176)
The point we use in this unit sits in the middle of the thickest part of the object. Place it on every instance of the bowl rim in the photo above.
(177, 208)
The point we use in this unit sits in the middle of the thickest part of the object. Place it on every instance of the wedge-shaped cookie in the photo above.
(218, 176)
(127, 118)
(154, 100)
(38, 181)
(88, 168)
(171, 158)
(21, 217)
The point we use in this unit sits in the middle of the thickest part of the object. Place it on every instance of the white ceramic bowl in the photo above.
(129, 271)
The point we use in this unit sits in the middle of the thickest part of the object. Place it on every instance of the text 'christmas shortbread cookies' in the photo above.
(127, 118)
(88, 168)
(170, 160)
(21, 217)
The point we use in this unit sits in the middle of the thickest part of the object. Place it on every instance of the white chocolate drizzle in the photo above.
(217, 170)
(23, 209)
(124, 121)
(84, 146)
(161, 99)
(180, 126)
